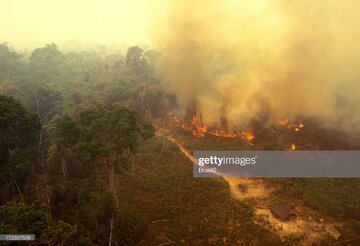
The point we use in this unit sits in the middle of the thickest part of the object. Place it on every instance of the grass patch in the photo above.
(338, 198)
(335, 197)
(180, 208)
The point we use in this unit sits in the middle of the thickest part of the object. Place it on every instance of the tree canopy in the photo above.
(19, 129)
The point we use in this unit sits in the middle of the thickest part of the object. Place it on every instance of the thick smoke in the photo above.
(260, 61)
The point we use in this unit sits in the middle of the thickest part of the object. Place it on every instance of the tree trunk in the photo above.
(111, 230)
(63, 166)
(116, 203)
(18, 188)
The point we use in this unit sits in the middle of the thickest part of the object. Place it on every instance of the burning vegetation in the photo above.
(285, 134)
(198, 128)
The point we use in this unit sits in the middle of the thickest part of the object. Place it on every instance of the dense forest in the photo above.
(71, 123)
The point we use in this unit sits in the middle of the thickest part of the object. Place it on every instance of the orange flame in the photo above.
(198, 129)
(292, 126)
(222, 134)
(297, 128)
(284, 122)
(292, 147)
(248, 135)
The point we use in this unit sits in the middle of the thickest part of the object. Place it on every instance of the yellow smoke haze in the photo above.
(263, 60)
(37, 22)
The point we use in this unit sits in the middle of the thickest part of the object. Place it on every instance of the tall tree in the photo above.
(10, 63)
(101, 139)
(40, 99)
(19, 135)
(135, 61)
(46, 63)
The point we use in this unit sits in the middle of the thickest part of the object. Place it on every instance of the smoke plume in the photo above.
(264, 60)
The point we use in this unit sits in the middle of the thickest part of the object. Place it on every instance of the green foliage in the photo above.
(67, 132)
(131, 227)
(24, 219)
(135, 61)
(36, 97)
(46, 63)
(84, 202)
(40, 99)
(19, 133)
(121, 164)
(18, 128)
(51, 80)
(112, 128)
(10, 64)
(148, 131)
(100, 134)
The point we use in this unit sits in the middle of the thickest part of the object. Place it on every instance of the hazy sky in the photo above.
(107, 21)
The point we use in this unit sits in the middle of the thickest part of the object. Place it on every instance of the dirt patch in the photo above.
(306, 231)
(248, 188)
(303, 229)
